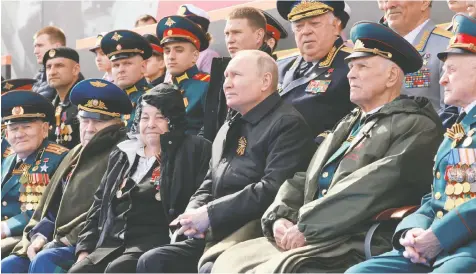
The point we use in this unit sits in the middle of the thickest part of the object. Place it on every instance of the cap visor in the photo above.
(94, 115)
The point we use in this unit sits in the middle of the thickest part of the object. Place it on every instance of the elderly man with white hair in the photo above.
(374, 159)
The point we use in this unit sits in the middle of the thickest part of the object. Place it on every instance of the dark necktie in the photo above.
(303, 68)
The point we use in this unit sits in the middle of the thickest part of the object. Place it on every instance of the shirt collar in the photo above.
(469, 107)
(411, 36)
(259, 111)
(371, 112)
(188, 74)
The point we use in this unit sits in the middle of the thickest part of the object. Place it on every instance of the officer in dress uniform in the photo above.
(441, 235)
(183, 40)
(8, 85)
(155, 71)
(274, 32)
(315, 81)
(63, 72)
(26, 172)
(128, 51)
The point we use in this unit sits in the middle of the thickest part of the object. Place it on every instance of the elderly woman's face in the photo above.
(152, 124)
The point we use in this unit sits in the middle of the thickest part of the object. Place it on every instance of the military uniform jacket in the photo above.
(23, 185)
(157, 81)
(252, 155)
(430, 41)
(322, 94)
(90, 163)
(194, 86)
(6, 149)
(135, 92)
(65, 131)
(383, 167)
(450, 209)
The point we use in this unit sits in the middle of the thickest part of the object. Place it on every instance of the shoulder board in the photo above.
(444, 25)
(8, 151)
(346, 49)
(204, 77)
(56, 149)
(442, 32)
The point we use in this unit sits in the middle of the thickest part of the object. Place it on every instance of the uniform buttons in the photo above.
(5, 217)
(438, 175)
(439, 214)
(325, 174)
(4, 203)
(437, 195)
(324, 192)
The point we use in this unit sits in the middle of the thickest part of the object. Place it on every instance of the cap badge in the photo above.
(95, 103)
(52, 53)
(18, 111)
(98, 84)
(116, 36)
(8, 86)
(359, 45)
(169, 22)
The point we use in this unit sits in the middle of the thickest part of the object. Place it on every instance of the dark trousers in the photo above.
(121, 263)
(181, 257)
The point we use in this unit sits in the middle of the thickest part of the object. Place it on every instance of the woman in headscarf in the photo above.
(148, 183)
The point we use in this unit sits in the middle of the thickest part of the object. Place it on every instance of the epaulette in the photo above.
(346, 49)
(8, 151)
(204, 77)
(56, 149)
(131, 90)
(443, 32)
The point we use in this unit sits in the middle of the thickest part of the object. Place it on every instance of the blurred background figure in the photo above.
(145, 20)
(102, 62)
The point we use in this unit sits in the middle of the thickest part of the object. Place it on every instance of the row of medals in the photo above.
(63, 133)
(461, 185)
(30, 192)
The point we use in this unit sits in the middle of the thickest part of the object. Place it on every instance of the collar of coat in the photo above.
(259, 111)
(404, 104)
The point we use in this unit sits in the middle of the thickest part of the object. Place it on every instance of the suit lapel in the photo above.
(289, 75)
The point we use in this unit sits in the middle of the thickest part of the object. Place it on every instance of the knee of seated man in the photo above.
(15, 264)
(151, 261)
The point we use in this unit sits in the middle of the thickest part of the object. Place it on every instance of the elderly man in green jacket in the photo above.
(378, 157)
(49, 239)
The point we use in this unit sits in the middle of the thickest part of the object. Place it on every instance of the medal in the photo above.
(29, 206)
(157, 196)
(459, 202)
(23, 207)
(467, 141)
(119, 194)
(458, 189)
(449, 190)
(449, 204)
(466, 187)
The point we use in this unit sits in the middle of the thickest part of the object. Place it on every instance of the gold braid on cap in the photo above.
(308, 9)
(112, 114)
(471, 47)
(360, 47)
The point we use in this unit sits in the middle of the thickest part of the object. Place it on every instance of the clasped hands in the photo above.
(421, 246)
(287, 235)
(193, 223)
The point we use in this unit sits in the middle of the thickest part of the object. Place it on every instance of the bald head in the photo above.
(250, 77)
(264, 63)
